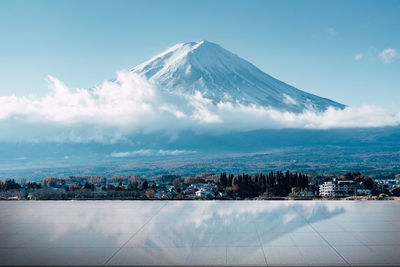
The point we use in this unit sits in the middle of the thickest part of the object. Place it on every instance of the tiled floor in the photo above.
(113, 233)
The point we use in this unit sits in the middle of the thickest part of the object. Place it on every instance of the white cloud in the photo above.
(151, 152)
(388, 55)
(331, 31)
(364, 116)
(114, 111)
(358, 56)
(201, 111)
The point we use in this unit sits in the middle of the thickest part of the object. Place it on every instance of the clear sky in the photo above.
(344, 50)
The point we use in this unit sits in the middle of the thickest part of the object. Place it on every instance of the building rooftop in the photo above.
(199, 233)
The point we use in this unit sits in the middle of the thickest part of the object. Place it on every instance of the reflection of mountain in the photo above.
(111, 233)
(169, 224)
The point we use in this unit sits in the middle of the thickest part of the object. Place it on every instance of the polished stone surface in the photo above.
(114, 233)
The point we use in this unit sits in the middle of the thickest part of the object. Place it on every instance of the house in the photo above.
(389, 183)
(14, 198)
(203, 193)
(222, 194)
(32, 196)
(363, 192)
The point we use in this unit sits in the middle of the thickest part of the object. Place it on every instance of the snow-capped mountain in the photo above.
(223, 76)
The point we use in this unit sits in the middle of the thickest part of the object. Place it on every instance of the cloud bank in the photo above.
(388, 55)
(115, 110)
(150, 152)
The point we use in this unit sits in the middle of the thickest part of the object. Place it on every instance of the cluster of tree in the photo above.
(33, 185)
(80, 181)
(131, 186)
(95, 179)
(396, 192)
(54, 182)
(74, 183)
(124, 179)
(9, 185)
(357, 177)
(168, 178)
(274, 183)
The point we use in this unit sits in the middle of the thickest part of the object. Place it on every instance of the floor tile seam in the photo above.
(298, 249)
(369, 247)
(332, 247)
(226, 255)
(368, 264)
(362, 242)
(262, 248)
(109, 259)
(291, 238)
(340, 227)
(348, 233)
(306, 219)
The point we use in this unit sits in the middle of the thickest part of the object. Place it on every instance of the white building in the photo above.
(395, 182)
(203, 193)
(337, 188)
(363, 192)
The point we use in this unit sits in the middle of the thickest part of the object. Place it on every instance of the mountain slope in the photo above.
(223, 76)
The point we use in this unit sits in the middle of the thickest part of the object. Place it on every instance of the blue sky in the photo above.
(344, 50)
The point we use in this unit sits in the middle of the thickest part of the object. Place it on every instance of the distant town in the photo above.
(209, 186)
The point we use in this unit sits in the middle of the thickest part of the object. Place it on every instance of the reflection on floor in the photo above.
(199, 233)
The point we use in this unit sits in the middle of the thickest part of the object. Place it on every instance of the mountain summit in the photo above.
(223, 76)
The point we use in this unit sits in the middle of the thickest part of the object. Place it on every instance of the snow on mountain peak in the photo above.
(219, 75)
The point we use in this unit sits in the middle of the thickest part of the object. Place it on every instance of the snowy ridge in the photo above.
(224, 77)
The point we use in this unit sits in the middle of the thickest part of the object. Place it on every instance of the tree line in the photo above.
(273, 183)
